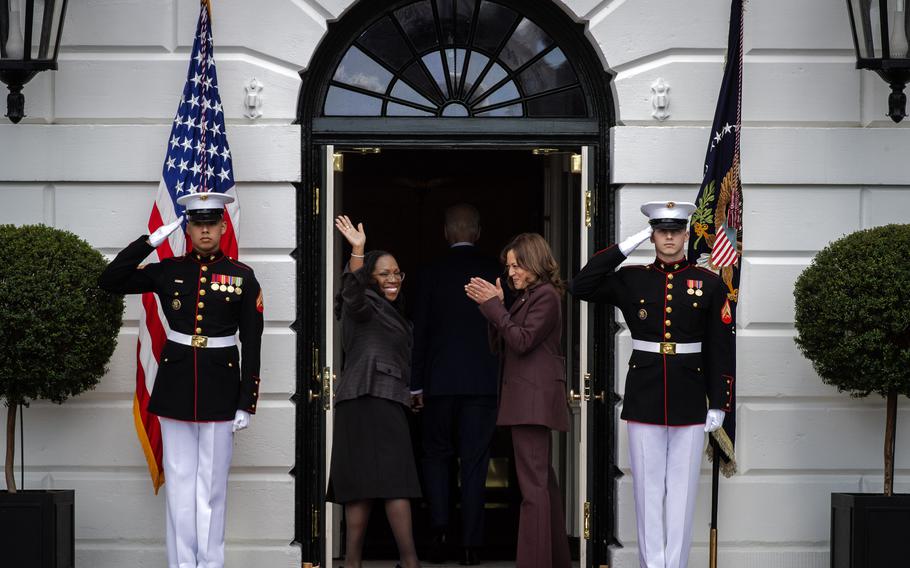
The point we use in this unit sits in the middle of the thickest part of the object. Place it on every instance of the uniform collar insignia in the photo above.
(206, 258)
(670, 266)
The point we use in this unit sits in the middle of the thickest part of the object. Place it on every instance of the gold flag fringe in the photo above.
(728, 457)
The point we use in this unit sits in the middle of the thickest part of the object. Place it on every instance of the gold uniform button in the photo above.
(205, 268)
(667, 335)
(669, 309)
(202, 292)
(203, 280)
(201, 305)
(642, 301)
(669, 277)
(230, 364)
(198, 330)
(176, 293)
(667, 322)
(694, 304)
(199, 317)
(669, 297)
(669, 286)
(698, 369)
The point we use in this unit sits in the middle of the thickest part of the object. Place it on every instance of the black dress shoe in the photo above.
(437, 554)
(469, 557)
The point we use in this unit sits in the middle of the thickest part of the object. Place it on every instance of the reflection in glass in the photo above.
(566, 103)
(402, 90)
(493, 76)
(527, 41)
(512, 110)
(418, 23)
(433, 61)
(416, 76)
(505, 93)
(342, 102)
(550, 72)
(359, 70)
(455, 58)
(384, 42)
(475, 66)
(493, 24)
(395, 109)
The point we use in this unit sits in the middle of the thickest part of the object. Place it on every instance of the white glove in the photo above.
(162, 233)
(714, 420)
(241, 420)
(632, 243)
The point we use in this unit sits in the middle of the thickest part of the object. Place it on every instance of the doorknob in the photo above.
(574, 396)
(600, 396)
(313, 395)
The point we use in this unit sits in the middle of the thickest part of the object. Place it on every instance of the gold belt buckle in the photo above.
(200, 341)
(667, 348)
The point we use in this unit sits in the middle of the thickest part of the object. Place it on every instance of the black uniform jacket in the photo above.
(656, 303)
(198, 384)
(377, 344)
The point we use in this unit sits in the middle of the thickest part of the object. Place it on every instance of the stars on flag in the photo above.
(722, 133)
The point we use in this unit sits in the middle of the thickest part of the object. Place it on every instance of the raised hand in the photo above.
(356, 237)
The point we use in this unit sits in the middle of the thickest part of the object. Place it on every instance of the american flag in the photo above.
(198, 160)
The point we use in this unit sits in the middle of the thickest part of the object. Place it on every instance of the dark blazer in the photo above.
(198, 384)
(376, 339)
(533, 372)
(676, 302)
(451, 353)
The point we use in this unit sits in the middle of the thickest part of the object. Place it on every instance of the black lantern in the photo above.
(30, 33)
(880, 32)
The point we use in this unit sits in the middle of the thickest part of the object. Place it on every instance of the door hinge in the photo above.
(338, 162)
(589, 209)
(315, 532)
(316, 201)
(586, 388)
(576, 163)
(327, 377)
(587, 527)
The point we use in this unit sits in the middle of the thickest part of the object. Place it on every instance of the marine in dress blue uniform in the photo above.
(205, 388)
(680, 376)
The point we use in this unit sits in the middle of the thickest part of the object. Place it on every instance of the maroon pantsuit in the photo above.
(532, 403)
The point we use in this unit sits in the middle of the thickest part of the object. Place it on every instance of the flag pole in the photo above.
(715, 484)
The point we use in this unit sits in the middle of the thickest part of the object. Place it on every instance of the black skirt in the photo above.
(372, 457)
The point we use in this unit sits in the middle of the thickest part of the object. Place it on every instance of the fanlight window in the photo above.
(455, 58)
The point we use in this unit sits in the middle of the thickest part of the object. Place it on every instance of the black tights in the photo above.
(398, 512)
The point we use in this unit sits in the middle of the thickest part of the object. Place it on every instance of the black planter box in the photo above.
(37, 528)
(869, 530)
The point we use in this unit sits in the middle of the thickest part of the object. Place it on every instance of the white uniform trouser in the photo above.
(665, 467)
(197, 457)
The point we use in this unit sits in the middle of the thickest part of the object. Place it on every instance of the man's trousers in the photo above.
(666, 461)
(197, 457)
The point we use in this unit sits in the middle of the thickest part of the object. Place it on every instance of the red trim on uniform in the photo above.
(238, 264)
(604, 250)
(706, 271)
(195, 324)
(663, 337)
(730, 396)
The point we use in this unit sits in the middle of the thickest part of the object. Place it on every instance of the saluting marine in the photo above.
(205, 389)
(680, 375)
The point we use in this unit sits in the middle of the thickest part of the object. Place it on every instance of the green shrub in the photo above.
(57, 328)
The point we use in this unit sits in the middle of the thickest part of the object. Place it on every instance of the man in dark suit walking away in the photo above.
(454, 375)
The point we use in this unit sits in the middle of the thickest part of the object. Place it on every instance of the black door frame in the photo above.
(318, 131)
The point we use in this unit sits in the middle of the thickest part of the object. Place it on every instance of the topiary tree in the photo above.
(853, 319)
(57, 328)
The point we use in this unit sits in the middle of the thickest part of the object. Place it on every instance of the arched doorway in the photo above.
(456, 76)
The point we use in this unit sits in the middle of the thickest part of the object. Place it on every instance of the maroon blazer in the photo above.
(533, 375)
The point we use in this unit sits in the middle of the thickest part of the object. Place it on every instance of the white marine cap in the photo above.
(668, 214)
(204, 205)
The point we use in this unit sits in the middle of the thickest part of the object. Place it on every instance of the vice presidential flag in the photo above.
(198, 159)
(716, 231)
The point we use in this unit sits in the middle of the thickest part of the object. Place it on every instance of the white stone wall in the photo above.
(819, 160)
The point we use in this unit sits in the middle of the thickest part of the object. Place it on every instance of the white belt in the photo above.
(666, 347)
(201, 340)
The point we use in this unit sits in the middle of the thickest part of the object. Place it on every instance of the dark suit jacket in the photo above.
(377, 345)
(533, 371)
(451, 353)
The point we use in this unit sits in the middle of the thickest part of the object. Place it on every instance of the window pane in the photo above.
(567, 103)
(455, 59)
(402, 90)
(493, 24)
(550, 72)
(505, 93)
(342, 102)
(359, 70)
(446, 21)
(512, 110)
(527, 41)
(382, 40)
(433, 61)
(493, 76)
(417, 21)
(464, 14)
(417, 77)
(455, 109)
(475, 66)
(395, 109)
